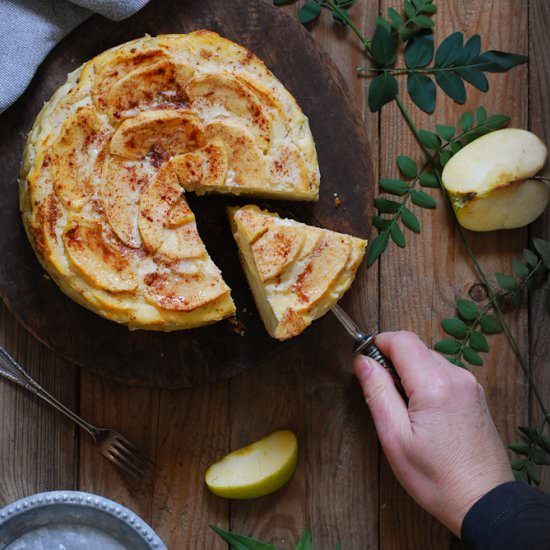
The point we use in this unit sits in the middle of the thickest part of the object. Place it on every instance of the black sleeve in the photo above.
(513, 516)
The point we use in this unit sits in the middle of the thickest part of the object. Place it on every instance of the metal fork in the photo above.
(364, 344)
(112, 445)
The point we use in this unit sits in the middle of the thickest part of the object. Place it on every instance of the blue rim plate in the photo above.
(73, 520)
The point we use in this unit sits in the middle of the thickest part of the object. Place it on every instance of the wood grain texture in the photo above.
(539, 115)
(419, 284)
(37, 444)
(192, 357)
(314, 393)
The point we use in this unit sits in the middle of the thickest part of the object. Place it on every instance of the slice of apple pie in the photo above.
(296, 272)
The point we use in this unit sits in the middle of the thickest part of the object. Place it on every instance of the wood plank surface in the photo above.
(341, 489)
(539, 120)
(419, 284)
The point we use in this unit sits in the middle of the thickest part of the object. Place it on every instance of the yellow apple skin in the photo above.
(256, 470)
(488, 181)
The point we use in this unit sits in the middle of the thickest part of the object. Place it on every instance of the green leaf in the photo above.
(532, 472)
(518, 463)
(452, 85)
(337, 546)
(455, 327)
(305, 541)
(386, 206)
(521, 270)
(405, 34)
(394, 186)
(446, 132)
(445, 157)
(496, 122)
(429, 8)
(419, 50)
(466, 309)
(407, 166)
(397, 236)
(421, 88)
(449, 50)
(377, 247)
(427, 179)
(521, 475)
(481, 115)
(409, 8)
(410, 220)
(495, 61)
(543, 248)
(309, 12)
(456, 362)
(429, 139)
(339, 18)
(531, 433)
(422, 199)
(396, 18)
(520, 447)
(382, 90)
(380, 21)
(478, 341)
(380, 223)
(282, 2)
(423, 22)
(475, 78)
(466, 120)
(240, 542)
(530, 257)
(472, 356)
(507, 282)
(470, 50)
(447, 345)
(490, 324)
(383, 46)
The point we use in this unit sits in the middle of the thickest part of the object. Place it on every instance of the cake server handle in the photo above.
(364, 345)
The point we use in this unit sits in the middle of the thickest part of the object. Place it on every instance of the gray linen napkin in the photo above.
(29, 29)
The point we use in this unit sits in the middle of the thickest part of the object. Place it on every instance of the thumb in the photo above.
(387, 407)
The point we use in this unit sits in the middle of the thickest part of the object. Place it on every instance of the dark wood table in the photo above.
(343, 488)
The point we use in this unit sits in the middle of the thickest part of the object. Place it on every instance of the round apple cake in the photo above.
(112, 153)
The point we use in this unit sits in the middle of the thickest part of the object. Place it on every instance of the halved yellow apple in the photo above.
(256, 470)
(489, 181)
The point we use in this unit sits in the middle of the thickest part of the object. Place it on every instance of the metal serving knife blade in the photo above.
(364, 344)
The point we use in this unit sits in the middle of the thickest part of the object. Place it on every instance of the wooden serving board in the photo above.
(208, 354)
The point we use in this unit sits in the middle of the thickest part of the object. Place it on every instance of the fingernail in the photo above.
(365, 365)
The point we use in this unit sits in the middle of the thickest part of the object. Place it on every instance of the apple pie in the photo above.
(111, 155)
(296, 272)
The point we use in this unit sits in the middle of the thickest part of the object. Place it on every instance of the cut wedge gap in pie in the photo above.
(296, 272)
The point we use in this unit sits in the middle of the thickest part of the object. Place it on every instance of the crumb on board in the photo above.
(236, 326)
(337, 200)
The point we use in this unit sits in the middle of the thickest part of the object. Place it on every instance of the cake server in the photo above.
(364, 345)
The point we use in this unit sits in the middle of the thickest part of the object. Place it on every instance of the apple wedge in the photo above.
(256, 470)
(490, 182)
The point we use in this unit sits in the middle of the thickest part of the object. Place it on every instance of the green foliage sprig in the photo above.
(240, 542)
(442, 144)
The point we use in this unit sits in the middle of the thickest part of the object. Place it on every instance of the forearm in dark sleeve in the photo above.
(513, 516)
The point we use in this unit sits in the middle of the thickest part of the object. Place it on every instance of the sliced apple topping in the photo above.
(275, 250)
(105, 262)
(219, 96)
(176, 291)
(118, 92)
(160, 134)
(252, 223)
(122, 182)
(203, 169)
(489, 181)
(158, 200)
(73, 155)
(288, 169)
(246, 163)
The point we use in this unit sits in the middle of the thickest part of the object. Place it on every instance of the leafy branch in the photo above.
(240, 542)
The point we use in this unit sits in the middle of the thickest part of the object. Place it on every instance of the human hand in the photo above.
(444, 448)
